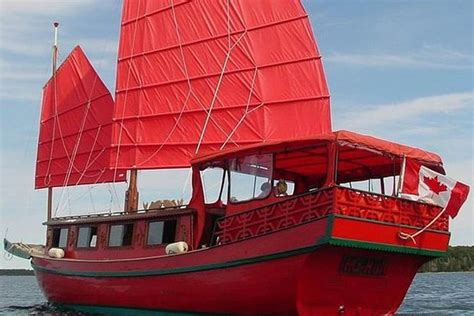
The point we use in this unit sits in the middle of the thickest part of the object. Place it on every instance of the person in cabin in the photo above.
(265, 188)
(281, 188)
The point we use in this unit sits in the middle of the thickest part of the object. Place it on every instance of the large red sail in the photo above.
(196, 76)
(75, 128)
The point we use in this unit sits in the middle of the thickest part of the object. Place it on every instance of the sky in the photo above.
(399, 70)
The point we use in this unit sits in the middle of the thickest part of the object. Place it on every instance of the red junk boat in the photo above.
(236, 91)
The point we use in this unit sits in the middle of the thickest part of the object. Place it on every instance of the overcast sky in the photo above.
(399, 70)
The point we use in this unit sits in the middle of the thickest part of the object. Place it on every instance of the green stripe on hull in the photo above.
(322, 242)
(107, 310)
(213, 266)
(384, 247)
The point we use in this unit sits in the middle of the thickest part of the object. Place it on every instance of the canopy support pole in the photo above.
(131, 196)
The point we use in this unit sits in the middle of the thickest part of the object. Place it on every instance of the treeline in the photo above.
(16, 272)
(459, 258)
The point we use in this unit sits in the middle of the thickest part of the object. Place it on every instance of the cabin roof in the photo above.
(118, 216)
(342, 138)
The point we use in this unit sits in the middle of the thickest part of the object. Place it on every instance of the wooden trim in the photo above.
(119, 216)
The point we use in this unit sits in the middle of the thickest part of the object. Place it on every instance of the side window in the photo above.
(161, 232)
(212, 183)
(251, 177)
(120, 235)
(60, 237)
(87, 237)
(283, 187)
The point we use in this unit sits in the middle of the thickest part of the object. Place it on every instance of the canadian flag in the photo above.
(423, 184)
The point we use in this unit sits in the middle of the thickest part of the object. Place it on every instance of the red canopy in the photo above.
(75, 128)
(355, 150)
(198, 76)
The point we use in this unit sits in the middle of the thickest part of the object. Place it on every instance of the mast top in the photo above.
(56, 26)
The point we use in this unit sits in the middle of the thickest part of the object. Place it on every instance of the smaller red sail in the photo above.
(75, 127)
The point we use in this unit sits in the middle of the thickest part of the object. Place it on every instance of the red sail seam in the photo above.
(136, 19)
(75, 107)
(254, 105)
(39, 161)
(286, 62)
(241, 120)
(75, 134)
(97, 174)
(179, 143)
(211, 38)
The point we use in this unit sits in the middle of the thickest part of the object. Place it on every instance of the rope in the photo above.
(246, 109)
(76, 147)
(188, 95)
(92, 200)
(90, 160)
(186, 183)
(82, 173)
(406, 236)
(214, 98)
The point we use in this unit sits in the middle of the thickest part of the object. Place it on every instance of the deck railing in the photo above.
(312, 206)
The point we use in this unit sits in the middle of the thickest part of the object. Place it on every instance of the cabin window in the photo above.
(385, 186)
(251, 177)
(60, 237)
(161, 232)
(214, 182)
(87, 237)
(120, 235)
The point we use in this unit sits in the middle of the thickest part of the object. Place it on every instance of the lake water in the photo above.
(430, 294)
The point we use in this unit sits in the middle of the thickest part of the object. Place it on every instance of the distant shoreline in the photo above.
(16, 272)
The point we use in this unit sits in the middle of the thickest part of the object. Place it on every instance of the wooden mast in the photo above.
(131, 196)
(55, 66)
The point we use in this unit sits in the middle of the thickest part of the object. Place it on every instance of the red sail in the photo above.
(75, 128)
(199, 76)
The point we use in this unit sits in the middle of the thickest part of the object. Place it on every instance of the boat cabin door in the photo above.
(215, 184)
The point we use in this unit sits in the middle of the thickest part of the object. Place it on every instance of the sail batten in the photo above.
(198, 76)
(211, 38)
(75, 127)
(249, 69)
(75, 107)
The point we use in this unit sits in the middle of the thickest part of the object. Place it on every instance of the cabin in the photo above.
(255, 190)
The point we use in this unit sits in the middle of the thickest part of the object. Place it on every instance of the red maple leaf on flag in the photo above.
(435, 185)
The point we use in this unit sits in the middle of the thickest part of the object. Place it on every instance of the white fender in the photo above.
(176, 248)
(56, 253)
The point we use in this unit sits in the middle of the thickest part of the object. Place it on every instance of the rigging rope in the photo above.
(90, 160)
(406, 236)
(76, 145)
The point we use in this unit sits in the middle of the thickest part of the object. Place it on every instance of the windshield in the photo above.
(251, 177)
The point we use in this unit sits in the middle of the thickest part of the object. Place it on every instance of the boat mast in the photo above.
(55, 65)
(131, 196)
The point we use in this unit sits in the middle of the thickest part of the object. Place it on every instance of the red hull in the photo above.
(276, 273)
(306, 284)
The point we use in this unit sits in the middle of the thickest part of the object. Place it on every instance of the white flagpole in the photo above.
(402, 176)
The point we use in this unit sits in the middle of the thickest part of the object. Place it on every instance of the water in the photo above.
(430, 294)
